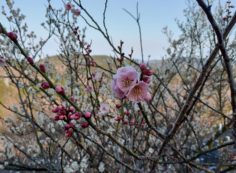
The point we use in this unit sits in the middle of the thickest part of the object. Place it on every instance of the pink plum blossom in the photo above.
(126, 78)
(139, 92)
(117, 92)
(127, 83)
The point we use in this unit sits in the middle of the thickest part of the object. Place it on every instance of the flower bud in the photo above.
(84, 124)
(118, 118)
(118, 106)
(30, 60)
(42, 68)
(60, 90)
(68, 6)
(143, 66)
(69, 132)
(12, 36)
(87, 115)
(146, 79)
(147, 72)
(45, 85)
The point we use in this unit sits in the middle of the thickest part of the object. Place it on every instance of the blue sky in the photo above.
(155, 14)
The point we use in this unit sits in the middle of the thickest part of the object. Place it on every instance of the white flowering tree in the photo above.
(77, 113)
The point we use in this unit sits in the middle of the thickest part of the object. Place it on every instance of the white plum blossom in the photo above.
(104, 109)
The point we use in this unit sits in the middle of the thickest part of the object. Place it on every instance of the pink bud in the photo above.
(84, 124)
(143, 66)
(127, 113)
(45, 85)
(125, 122)
(56, 118)
(148, 72)
(75, 116)
(12, 36)
(132, 122)
(42, 68)
(146, 79)
(87, 115)
(55, 110)
(60, 90)
(61, 117)
(118, 118)
(72, 99)
(68, 6)
(71, 109)
(69, 133)
(30, 60)
(68, 126)
(118, 106)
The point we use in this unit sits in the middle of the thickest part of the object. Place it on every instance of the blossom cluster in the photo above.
(69, 7)
(71, 117)
(128, 83)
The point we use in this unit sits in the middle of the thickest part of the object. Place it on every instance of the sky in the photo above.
(155, 15)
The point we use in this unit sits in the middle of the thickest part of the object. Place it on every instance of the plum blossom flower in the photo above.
(104, 109)
(126, 78)
(116, 90)
(139, 92)
(127, 83)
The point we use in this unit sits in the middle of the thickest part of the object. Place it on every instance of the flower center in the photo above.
(127, 82)
(137, 90)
